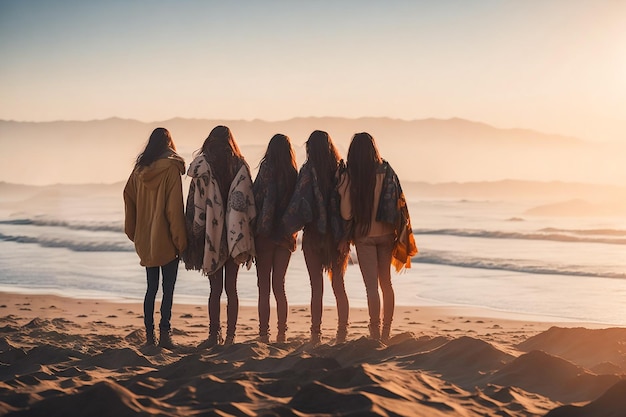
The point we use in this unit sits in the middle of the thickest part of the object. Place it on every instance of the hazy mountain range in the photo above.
(429, 150)
(44, 163)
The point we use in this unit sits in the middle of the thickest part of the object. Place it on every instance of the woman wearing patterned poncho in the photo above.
(314, 207)
(372, 199)
(219, 219)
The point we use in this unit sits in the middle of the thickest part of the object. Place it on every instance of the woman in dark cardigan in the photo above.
(273, 188)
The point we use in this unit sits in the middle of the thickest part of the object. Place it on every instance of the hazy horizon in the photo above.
(429, 150)
(555, 67)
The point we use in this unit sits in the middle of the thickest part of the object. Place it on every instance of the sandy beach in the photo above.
(71, 357)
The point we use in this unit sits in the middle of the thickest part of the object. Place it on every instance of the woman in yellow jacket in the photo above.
(155, 222)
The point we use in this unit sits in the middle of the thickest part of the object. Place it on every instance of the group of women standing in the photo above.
(232, 220)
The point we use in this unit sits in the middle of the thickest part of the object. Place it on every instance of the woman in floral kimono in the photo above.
(219, 218)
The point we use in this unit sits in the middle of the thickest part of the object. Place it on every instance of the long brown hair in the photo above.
(281, 157)
(324, 157)
(224, 156)
(159, 142)
(363, 162)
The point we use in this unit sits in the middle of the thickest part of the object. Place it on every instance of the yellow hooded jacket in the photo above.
(155, 219)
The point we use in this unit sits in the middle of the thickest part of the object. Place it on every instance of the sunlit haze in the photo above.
(553, 66)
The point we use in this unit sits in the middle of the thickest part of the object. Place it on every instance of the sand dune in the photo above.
(592, 348)
(610, 404)
(70, 357)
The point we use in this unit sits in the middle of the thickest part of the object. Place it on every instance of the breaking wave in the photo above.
(513, 265)
(94, 226)
(81, 245)
(606, 236)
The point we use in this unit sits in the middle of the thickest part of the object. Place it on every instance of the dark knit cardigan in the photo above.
(271, 199)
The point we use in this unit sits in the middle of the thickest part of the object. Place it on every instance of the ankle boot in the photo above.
(215, 338)
(264, 333)
(316, 339)
(281, 337)
(230, 332)
(316, 336)
(150, 340)
(165, 340)
(342, 333)
(384, 337)
(374, 331)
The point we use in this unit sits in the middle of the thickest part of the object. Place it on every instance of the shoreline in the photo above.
(433, 307)
(455, 321)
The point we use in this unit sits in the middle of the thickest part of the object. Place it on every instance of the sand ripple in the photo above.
(62, 368)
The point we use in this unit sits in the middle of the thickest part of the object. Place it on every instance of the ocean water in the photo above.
(485, 253)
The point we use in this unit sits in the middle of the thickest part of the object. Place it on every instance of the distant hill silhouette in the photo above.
(431, 150)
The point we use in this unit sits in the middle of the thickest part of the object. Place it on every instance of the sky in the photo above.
(557, 66)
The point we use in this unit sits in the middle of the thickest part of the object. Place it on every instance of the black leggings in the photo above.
(170, 271)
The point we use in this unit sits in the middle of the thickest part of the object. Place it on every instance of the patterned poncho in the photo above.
(310, 208)
(392, 208)
(217, 230)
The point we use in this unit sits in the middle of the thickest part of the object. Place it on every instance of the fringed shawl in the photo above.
(392, 208)
(307, 204)
(309, 208)
(217, 231)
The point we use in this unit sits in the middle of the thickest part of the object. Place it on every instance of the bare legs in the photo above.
(374, 254)
(271, 267)
(316, 275)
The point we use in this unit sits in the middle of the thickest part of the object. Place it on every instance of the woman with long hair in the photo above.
(155, 222)
(372, 199)
(314, 207)
(273, 188)
(219, 218)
